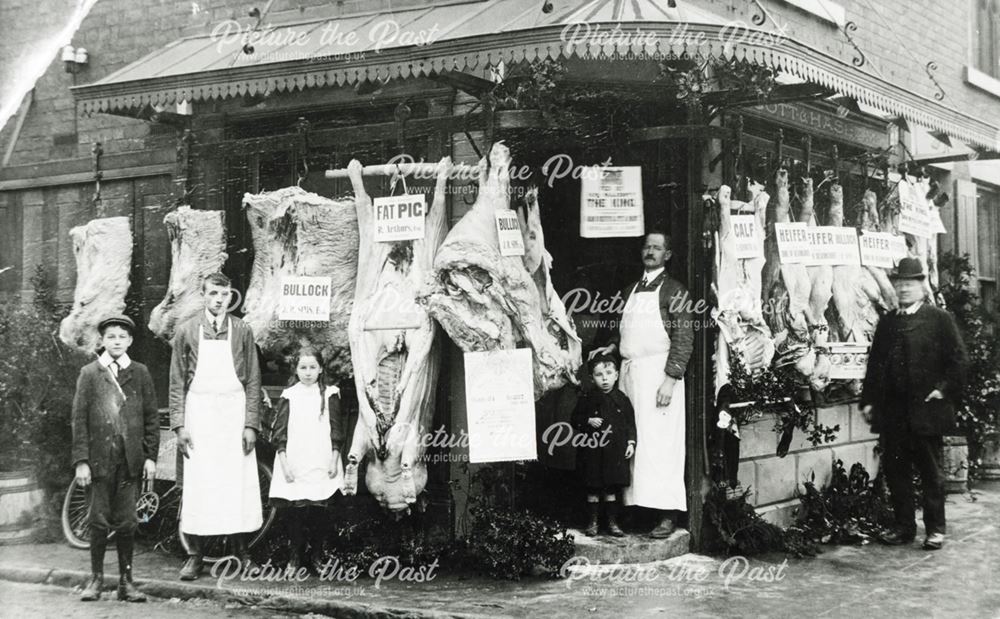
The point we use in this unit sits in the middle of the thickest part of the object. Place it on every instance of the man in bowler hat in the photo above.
(916, 369)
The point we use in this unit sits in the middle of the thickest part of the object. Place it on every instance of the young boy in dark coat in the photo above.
(606, 420)
(116, 436)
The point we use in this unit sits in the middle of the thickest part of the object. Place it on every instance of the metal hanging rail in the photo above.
(427, 169)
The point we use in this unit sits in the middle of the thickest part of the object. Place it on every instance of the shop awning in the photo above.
(473, 37)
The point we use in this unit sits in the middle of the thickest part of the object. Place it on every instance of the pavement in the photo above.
(961, 580)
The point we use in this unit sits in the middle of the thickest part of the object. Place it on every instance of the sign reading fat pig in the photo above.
(399, 218)
(305, 298)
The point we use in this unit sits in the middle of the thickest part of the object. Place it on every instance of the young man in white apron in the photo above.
(655, 340)
(215, 411)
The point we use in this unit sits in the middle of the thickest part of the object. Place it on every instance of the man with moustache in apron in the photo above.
(655, 339)
(214, 409)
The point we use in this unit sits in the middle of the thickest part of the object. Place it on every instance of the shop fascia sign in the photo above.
(820, 122)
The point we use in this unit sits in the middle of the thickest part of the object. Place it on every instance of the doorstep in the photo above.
(633, 548)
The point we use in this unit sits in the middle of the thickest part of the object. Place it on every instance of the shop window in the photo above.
(988, 204)
(986, 37)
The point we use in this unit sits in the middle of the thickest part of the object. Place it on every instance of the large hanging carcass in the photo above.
(487, 301)
(197, 248)
(301, 234)
(103, 252)
(395, 352)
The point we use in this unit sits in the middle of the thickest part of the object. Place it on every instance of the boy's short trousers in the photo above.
(112, 502)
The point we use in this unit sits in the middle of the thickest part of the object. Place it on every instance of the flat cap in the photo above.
(116, 319)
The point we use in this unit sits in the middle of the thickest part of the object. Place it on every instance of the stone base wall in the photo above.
(775, 483)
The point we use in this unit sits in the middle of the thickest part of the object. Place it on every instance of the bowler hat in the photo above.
(908, 268)
(117, 319)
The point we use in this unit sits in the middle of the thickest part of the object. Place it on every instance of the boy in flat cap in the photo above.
(116, 436)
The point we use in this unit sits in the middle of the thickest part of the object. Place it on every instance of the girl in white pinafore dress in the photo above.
(308, 436)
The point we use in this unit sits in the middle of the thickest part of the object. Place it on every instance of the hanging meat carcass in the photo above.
(103, 252)
(788, 296)
(738, 281)
(395, 353)
(197, 248)
(869, 221)
(298, 233)
(855, 291)
(487, 301)
(820, 276)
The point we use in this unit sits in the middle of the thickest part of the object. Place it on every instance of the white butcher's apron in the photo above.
(658, 463)
(308, 449)
(221, 491)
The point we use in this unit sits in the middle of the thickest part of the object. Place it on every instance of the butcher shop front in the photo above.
(451, 216)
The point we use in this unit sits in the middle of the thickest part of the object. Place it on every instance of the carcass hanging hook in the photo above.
(96, 151)
(302, 128)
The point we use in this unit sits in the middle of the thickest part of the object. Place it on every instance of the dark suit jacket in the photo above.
(99, 413)
(936, 360)
(675, 311)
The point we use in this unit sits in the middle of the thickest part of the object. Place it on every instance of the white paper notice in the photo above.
(936, 225)
(399, 218)
(305, 298)
(611, 202)
(749, 240)
(833, 245)
(899, 249)
(914, 215)
(509, 233)
(793, 243)
(876, 250)
(500, 403)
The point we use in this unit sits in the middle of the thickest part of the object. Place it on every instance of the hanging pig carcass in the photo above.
(395, 352)
(197, 248)
(298, 233)
(487, 301)
(103, 252)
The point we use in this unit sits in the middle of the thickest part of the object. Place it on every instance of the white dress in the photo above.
(309, 448)
(658, 463)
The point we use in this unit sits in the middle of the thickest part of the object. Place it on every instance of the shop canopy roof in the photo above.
(473, 37)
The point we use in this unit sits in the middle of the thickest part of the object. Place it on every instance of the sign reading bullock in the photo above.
(305, 298)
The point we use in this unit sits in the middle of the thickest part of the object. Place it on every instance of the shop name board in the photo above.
(611, 202)
(509, 233)
(793, 243)
(746, 232)
(305, 298)
(500, 404)
(399, 218)
(824, 123)
(833, 246)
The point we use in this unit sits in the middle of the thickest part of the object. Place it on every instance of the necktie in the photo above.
(114, 368)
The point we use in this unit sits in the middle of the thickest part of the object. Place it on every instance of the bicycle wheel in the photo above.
(76, 516)
(215, 547)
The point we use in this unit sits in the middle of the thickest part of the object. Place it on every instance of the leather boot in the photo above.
(92, 592)
(192, 567)
(592, 512)
(127, 591)
(611, 508)
(98, 545)
(664, 529)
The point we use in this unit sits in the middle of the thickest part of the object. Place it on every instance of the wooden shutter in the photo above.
(966, 215)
